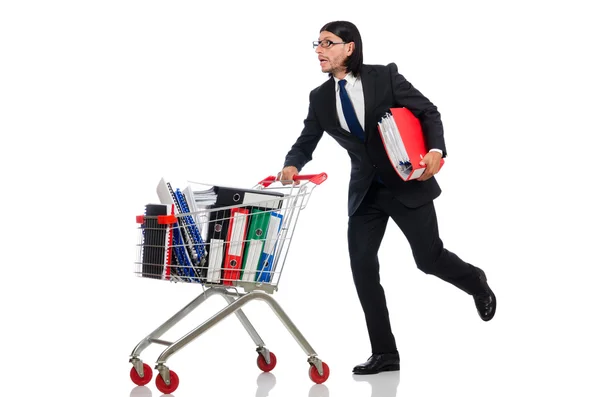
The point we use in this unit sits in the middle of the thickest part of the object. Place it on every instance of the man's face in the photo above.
(333, 57)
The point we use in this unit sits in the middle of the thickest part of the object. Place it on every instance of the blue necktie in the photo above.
(349, 113)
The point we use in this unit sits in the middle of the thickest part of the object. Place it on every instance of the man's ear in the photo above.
(350, 48)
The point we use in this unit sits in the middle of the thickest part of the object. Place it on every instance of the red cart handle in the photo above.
(317, 179)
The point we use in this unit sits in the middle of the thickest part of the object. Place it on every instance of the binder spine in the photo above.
(188, 242)
(198, 242)
(185, 266)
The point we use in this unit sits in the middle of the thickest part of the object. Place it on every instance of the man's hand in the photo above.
(432, 161)
(287, 174)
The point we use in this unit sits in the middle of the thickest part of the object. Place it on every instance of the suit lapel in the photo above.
(329, 110)
(369, 91)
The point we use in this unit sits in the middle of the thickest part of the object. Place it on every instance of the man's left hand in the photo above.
(432, 162)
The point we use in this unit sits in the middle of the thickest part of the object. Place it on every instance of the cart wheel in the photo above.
(313, 373)
(141, 381)
(163, 388)
(262, 363)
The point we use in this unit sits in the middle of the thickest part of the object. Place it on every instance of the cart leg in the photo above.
(246, 323)
(165, 327)
(291, 327)
(260, 345)
(233, 307)
(152, 337)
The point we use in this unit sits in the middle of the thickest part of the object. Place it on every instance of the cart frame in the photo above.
(167, 381)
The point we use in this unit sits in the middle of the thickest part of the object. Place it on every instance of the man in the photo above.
(348, 106)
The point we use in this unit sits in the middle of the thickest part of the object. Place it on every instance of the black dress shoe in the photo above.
(485, 300)
(378, 363)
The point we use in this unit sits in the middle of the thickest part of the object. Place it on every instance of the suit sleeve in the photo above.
(405, 95)
(302, 150)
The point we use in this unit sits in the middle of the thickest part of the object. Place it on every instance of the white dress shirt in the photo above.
(354, 89)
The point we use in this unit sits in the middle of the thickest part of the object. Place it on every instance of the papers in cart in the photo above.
(404, 142)
(230, 259)
(204, 197)
(225, 196)
(222, 246)
(188, 244)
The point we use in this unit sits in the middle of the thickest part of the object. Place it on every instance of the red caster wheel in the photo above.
(137, 379)
(313, 373)
(163, 388)
(262, 363)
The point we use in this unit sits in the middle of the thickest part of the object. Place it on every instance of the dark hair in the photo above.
(348, 32)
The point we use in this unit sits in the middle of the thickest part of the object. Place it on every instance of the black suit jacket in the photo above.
(383, 88)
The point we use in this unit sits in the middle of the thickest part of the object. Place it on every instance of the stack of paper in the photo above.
(223, 234)
(394, 144)
(205, 197)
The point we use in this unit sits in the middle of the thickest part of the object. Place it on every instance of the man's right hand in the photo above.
(287, 175)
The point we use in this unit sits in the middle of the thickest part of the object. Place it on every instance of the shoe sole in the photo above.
(393, 367)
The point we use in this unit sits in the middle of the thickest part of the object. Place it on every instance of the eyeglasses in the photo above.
(325, 43)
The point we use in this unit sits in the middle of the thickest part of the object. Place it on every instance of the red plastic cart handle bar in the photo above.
(317, 179)
(162, 219)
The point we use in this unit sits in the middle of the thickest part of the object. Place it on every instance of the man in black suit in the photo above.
(348, 106)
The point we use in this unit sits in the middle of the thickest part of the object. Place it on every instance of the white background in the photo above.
(99, 100)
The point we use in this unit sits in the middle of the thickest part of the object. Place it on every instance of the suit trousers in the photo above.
(366, 228)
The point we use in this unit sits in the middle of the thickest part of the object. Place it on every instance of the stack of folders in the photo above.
(220, 246)
(241, 239)
(262, 236)
(404, 142)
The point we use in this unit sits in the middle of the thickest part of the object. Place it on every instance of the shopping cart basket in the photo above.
(233, 243)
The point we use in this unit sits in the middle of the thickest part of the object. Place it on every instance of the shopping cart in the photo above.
(233, 243)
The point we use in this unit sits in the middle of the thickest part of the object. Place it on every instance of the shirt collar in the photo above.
(350, 78)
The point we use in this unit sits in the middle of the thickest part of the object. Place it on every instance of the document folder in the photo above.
(265, 266)
(215, 261)
(183, 264)
(238, 228)
(199, 217)
(218, 228)
(404, 142)
(257, 232)
(197, 248)
(227, 196)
